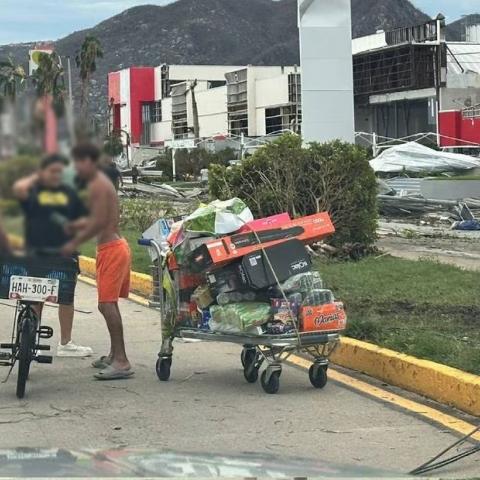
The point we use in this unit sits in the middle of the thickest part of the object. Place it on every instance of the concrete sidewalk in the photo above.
(206, 407)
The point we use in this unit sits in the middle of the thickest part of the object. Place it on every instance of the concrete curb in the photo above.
(446, 385)
(435, 381)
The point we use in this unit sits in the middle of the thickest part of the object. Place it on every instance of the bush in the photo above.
(13, 169)
(139, 214)
(10, 208)
(285, 177)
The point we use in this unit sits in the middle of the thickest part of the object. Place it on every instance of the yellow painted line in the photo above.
(424, 411)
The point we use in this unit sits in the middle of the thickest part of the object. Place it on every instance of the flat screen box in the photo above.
(216, 253)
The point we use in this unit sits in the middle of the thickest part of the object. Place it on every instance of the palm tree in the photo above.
(49, 80)
(86, 61)
(12, 79)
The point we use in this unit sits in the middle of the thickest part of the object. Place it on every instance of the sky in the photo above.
(29, 20)
(452, 9)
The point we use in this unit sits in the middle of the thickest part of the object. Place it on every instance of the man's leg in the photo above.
(112, 316)
(65, 316)
(66, 347)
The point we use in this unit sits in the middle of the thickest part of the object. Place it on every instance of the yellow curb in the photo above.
(438, 382)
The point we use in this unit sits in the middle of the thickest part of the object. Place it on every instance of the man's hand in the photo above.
(69, 249)
(72, 228)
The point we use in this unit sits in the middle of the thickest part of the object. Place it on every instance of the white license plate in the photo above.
(33, 289)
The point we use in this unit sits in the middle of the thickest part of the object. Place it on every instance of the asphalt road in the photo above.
(206, 407)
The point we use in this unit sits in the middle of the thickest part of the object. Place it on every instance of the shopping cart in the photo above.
(31, 281)
(257, 349)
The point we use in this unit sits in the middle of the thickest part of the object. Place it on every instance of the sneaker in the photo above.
(72, 350)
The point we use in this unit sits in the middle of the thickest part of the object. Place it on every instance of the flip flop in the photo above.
(101, 363)
(111, 373)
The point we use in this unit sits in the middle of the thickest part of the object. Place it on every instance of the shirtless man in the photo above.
(113, 256)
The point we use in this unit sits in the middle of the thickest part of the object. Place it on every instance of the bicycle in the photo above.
(32, 281)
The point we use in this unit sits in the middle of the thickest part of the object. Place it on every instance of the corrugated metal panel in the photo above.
(465, 54)
(403, 184)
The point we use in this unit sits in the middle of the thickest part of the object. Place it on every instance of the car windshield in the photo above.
(239, 238)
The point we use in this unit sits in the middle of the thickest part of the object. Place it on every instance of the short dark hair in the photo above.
(51, 160)
(86, 150)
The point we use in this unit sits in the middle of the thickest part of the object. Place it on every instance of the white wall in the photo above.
(162, 131)
(260, 122)
(125, 116)
(200, 72)
(271, 92)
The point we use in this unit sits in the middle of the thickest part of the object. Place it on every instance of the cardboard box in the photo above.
(267, 223)
(323, 318)
(228, 249)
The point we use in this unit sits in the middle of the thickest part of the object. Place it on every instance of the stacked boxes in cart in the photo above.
(234, 274)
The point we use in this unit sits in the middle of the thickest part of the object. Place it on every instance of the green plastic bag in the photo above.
(239, 317)
(219, 217)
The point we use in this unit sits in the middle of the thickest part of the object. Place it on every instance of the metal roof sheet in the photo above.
(463, 55)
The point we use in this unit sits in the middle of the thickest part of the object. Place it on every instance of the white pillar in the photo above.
(327, 70)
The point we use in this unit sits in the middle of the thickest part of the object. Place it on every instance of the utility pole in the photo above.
(70, 112)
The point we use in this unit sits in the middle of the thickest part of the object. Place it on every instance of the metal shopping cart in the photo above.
(257, 349)
(31, 281)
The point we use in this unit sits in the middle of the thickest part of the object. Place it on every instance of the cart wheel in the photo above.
(250, 374)
(274, 382)
(318, 375)
(248, 356)
(163, 368)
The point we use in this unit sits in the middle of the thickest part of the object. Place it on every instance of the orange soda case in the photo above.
(228, 249)
(323, 318)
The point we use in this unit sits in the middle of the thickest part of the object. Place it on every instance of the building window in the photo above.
(156, 112)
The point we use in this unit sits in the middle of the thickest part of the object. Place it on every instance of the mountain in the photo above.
(235, 32)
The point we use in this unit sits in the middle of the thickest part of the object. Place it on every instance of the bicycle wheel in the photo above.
(26, 348)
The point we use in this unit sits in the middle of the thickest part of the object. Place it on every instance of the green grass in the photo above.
(424, 308)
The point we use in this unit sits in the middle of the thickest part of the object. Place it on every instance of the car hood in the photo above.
(31, 462)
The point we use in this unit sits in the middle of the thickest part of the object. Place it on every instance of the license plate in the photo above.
(33, 289)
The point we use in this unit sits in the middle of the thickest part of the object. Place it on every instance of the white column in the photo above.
(327, 71)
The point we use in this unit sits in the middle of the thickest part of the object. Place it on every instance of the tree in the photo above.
(286, 176)
(49, 80)
(86, 60)
(12, 78)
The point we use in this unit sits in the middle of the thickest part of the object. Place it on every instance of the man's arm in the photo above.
(89, 227)
(22, 187)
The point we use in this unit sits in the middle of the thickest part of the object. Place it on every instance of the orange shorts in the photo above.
(113, 271)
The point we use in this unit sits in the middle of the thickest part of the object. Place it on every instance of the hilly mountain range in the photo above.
(229, 32)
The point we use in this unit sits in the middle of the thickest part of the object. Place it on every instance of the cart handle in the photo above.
(145, 242)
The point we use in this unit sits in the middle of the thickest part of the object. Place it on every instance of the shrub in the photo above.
(140, 213)
(13, 169)
(10, 208)
(285, 177)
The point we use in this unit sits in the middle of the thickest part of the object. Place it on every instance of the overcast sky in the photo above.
(29, 20)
